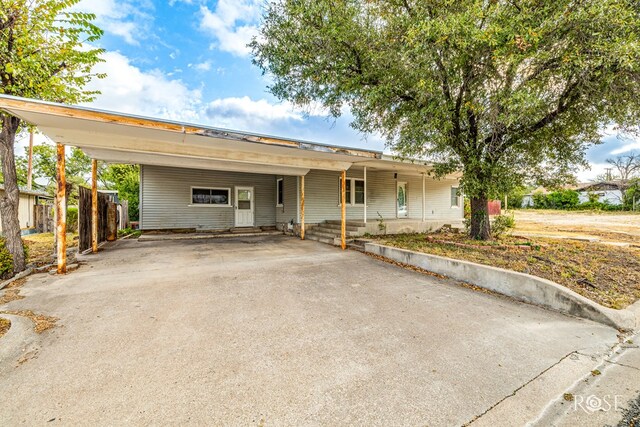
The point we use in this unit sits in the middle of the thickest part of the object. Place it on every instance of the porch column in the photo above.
(365, 194)
(424, 196)
(94, 206)
(61, 211)
(343, 199)
(302, 207)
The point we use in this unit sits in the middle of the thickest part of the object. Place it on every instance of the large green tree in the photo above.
(501, 90)
(126, 180)
(45, 53)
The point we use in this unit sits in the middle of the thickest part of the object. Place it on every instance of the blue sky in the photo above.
(188, 60)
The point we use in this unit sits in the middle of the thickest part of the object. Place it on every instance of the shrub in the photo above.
(72, 219)
(502, 223)
(561, 199)
(6, 261)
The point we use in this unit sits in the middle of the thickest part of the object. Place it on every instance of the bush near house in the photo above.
(560, 199)
(72, 219)
(6, 260)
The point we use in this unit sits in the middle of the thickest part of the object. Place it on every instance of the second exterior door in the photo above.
(244, 206)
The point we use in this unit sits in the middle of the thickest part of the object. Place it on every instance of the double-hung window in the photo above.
(355, 191)
(201, 196)
(455, 197)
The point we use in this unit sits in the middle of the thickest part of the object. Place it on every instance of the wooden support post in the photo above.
(94, 206)
(343, 198)
(30, 163)
(365, 195)
(61, 211)
(424, 196)
(302, 207)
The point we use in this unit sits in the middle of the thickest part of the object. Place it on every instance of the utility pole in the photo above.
(608, 173)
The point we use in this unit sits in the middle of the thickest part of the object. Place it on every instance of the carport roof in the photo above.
(124, 138)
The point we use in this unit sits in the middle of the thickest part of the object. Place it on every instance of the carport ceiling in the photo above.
(130, 139)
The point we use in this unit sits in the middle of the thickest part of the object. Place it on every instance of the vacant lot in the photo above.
(605, 226)
(606, 274)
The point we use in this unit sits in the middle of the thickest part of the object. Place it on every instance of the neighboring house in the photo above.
(207, 178)
(527, 199)
(28, 199)
(611, 192)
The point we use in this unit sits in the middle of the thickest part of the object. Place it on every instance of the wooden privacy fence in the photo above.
(84, 218)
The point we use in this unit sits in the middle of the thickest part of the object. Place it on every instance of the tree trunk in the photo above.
(9, 202)
(480, 225)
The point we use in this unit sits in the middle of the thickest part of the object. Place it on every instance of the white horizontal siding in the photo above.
(166, 196)
(289, 209)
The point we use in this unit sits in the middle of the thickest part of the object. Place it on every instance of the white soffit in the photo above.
(89, 129)
(132, 157)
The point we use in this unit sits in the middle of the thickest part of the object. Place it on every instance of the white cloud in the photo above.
(232, 24)
(128, 89)
(247, 114)
(203, 66)
(631, 145)
(120, 17)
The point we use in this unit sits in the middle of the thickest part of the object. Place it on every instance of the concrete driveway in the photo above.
(273, 331)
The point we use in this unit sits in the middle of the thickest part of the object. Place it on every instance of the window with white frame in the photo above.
(355, 191)
(455, 197)
(203, 196)
(279, 192)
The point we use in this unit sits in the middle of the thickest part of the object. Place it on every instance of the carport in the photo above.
(120, 138)
(130, 139)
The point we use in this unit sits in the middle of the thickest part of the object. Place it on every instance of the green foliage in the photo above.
(125, 179)
(72, 219)
(516, 196)
(502, 223)
(45, 50)
(560, 199)
(382, 226)
(501, 91)
(6, 261)
(77, 165)
(632, 193)
(129, 231)
(599, 206)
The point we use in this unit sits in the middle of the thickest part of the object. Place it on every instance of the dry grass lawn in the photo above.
(606, 226)
(41, 247)
(606, 274)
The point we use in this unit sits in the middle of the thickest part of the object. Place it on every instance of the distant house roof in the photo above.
(600, 186)
(30, 192)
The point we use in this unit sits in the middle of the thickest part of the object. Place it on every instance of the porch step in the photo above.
(333, 231)
(327, 240)
(349, 223)
(338, 226)
(243, 230)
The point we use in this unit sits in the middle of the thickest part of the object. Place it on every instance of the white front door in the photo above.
(402, 200)
(244, 206)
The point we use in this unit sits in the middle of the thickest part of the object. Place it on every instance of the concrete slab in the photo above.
(274, 331)
(602, 398)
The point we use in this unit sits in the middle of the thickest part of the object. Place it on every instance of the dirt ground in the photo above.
(621, 227)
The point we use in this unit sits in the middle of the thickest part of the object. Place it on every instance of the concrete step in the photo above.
(338, 226)
(326, 240)
(349, 223)
(334, 231)
(320, 234)
(246, 230)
